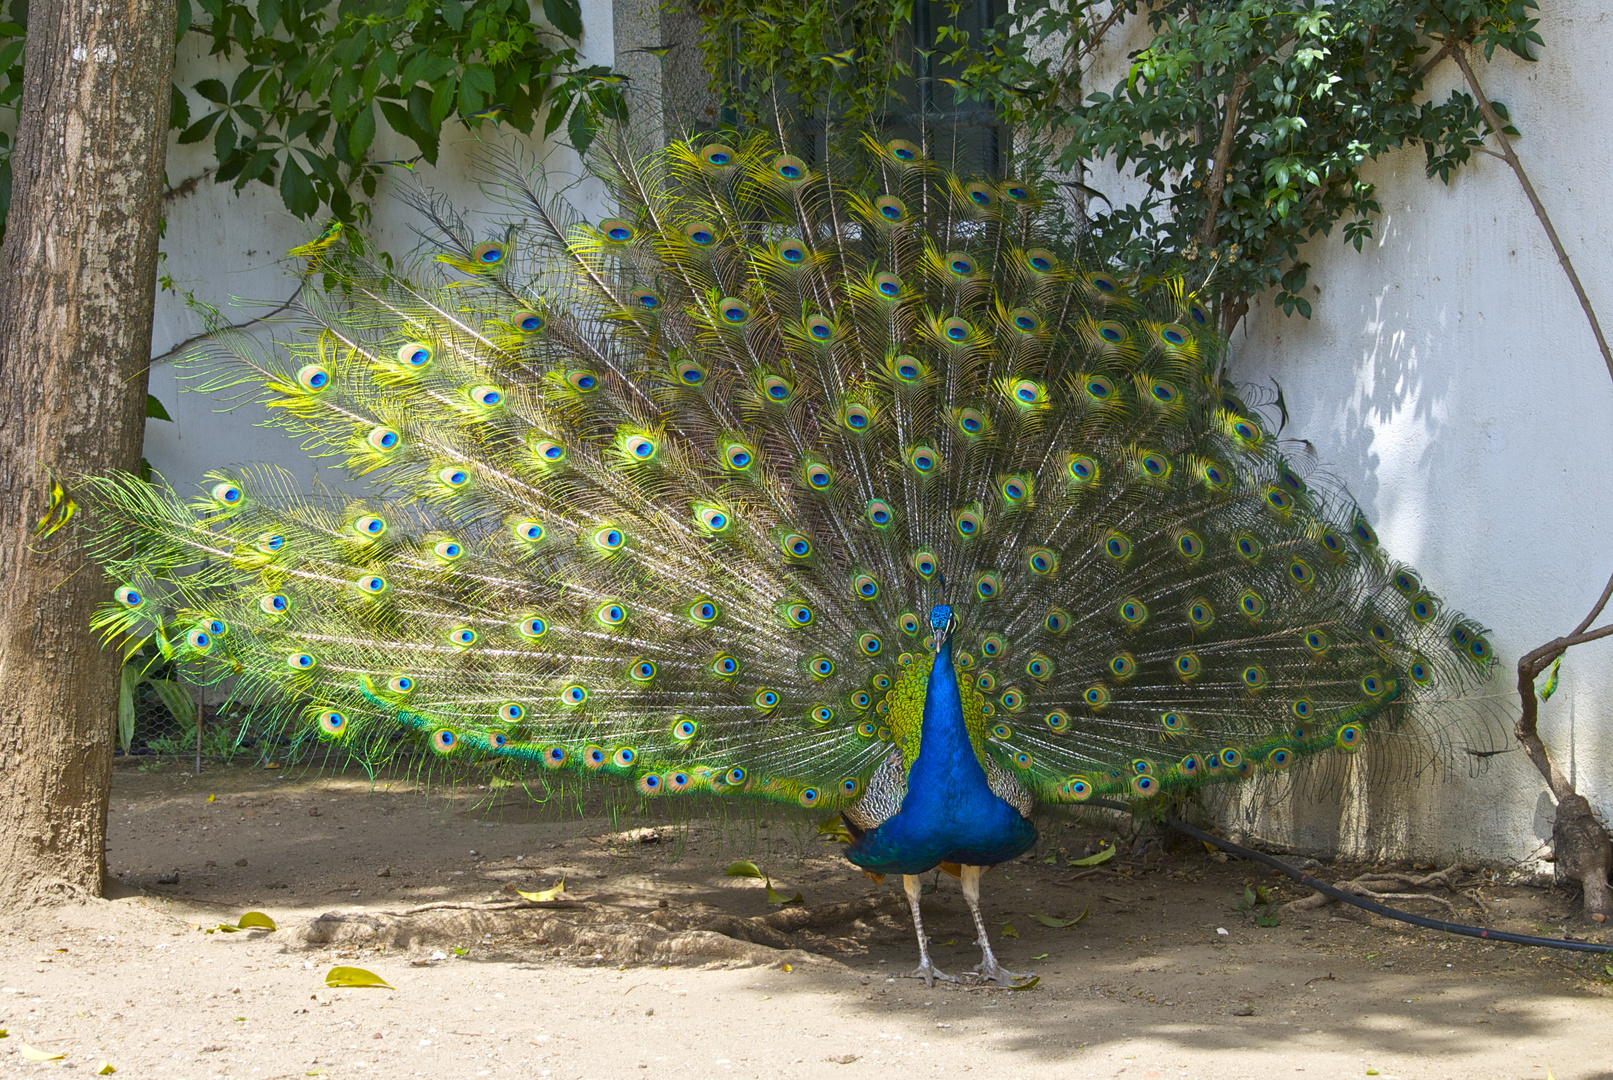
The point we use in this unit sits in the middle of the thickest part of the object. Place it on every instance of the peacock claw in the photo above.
(929, 973)
(994, 972)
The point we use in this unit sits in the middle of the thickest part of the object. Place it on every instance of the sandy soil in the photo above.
(656, 963)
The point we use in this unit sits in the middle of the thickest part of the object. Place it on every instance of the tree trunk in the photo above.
(77, 282)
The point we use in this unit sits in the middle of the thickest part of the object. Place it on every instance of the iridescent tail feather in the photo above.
(667, 496)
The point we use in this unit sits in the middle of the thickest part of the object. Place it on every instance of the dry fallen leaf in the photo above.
(104, 1068)
(31, 1054)
(543, 895)
(1059, 924)
(1093, 860)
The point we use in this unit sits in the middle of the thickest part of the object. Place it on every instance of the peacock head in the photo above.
(943, 622)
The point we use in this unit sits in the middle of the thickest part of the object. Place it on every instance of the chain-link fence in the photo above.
(159, 716)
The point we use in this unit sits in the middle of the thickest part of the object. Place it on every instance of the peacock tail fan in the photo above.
(667, 497)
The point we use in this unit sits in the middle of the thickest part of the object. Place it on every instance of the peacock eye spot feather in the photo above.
(789, 168)
(703, 611)
(799, 614)
(617, 231)
(717, 155)
(733, 312)
(453, 478)
(1103, 283)
(274, 604)
(701, 234)
(489, 254)
(888, 285)
(891, 209)
(1174, 335)
(227, 494)
(313, 377)
(960, 264)
(528, 322)
(414, 354)
(582, 380)
(879, 513)
(533, 627)
(1198, 314)
(1099, 389)
(511, 712)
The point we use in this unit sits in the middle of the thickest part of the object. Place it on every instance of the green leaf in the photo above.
(776, 897)
(353, 976)
(744, 869)
(296, 191)
(1059, 924)
(129, 678)
(213, 90)
(255, 920)
(1009, 930)
(154, 409)
(198, 131)
(566, 15)
(1093, 860)
(1550, 687)
(268, 15)
(362, 133)
(176, 699)
(453, 13)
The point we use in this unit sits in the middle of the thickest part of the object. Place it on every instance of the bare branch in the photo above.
(1498, 129)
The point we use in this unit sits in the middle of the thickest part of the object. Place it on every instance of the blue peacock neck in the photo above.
(946, 755)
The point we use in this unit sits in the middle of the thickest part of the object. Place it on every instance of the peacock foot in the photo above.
(929, 973)
(993, 972)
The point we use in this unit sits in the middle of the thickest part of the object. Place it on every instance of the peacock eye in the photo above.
(414, 354)
(528, 322)
(383, 439)
(530, 531)
(313, 377)
(489, 255)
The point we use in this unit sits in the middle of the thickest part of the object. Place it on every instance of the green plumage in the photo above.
(669, 497)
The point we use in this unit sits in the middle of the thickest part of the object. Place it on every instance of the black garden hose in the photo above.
(1480, 932)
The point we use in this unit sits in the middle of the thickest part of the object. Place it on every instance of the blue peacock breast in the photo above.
(946, 807)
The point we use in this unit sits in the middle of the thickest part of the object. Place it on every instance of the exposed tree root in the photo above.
(609, 930)
(1373, 887)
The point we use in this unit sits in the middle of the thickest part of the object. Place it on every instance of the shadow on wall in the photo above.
(1450, 382)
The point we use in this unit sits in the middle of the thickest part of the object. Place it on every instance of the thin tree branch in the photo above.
(1498, 128)
(1217, 182)
(1530, 665)
(194, 338)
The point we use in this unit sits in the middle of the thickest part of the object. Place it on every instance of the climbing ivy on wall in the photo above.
(1243, 125)
(314, 81)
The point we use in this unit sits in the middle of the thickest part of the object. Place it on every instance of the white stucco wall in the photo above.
(1448, 377)
(220, 245)
(1452, 381)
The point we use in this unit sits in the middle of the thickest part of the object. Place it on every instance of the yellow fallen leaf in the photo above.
(1041, 956)
(543, 895)
(1009, 931)
(31, 1054)
(1093, 860)
(210, 798)
(744, 869)
(788, 968)
(835, 829)
(255, 920)
(104, 1068)
(352, 976)
(1027, 984)
(1059, 924)
(776, 897)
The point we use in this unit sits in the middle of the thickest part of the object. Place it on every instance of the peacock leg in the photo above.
(926, 970)
(988, 967)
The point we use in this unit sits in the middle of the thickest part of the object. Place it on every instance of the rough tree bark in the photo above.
(77, 281)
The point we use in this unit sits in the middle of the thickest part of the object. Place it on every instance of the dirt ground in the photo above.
(654, 962)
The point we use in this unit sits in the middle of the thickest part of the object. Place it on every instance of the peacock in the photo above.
(828, 478)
